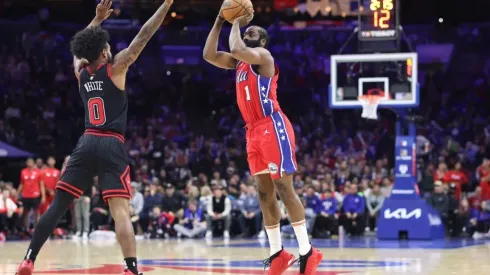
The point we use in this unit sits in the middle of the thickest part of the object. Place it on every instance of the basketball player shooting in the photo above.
(270, 137)
(100, 150)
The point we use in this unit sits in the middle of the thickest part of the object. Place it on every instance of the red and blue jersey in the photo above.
(256, 95)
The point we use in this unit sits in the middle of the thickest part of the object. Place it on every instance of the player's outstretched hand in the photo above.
(169, 2)
(103, 10)
(245, 19)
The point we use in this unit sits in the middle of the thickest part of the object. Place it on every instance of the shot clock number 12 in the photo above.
(382, 10)
(378, 20)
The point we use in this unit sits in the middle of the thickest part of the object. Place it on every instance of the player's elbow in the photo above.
(209, 57)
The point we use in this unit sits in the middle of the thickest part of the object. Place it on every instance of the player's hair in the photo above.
(263, 34)
(89, 43)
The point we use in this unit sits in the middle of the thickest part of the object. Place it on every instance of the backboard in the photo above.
(392, 75)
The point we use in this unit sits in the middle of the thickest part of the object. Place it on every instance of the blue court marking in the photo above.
(370, 242)
(258, 264)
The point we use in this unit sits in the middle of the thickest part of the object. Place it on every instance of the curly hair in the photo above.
(89, 43)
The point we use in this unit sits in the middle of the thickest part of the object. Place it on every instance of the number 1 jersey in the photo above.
(106, 106)
(256, 95)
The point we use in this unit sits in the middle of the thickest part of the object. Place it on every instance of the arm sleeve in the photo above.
(227, 207)
(368, 205)
(210, 206)
(380, 204)
(139, 205)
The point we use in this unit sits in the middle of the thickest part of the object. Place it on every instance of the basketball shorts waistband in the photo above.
(261, 121)
(102, 133)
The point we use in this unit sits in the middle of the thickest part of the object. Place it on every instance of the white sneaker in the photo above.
(261, 235)
(478, 235)
(76, 236)
(209, 235)
(226, 235)
(85, 236)
(179, 235)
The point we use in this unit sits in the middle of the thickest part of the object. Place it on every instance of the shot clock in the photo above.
(378, 20)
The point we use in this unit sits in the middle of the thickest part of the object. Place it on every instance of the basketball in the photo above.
(232, 9)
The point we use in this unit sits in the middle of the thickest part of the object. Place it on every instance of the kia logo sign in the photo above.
(402, 214)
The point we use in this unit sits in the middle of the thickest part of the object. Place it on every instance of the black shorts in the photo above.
(102, 154)
(31, 203)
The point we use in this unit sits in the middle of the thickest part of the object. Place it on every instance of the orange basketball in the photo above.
(232, 9)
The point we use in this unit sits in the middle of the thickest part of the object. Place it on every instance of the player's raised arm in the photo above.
(128, 56)
(252, 55)
(211, 54)
(102, 12)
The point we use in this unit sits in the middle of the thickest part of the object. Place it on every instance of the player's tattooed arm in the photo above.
(128, 56)
(102, 12)
(78, 65)
(211, 54)
(240, 51)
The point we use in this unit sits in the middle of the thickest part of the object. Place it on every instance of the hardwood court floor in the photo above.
(353, 256)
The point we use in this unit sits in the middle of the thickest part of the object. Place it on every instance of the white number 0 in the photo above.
(248, 93)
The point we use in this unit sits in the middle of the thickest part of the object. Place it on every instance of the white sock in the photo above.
(274, 235)
(302, 237)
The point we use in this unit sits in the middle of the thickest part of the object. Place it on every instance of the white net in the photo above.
(370, 106)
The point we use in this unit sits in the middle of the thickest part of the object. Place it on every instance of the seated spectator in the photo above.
(8, 213)
(312, 200)
(137, 203)
(374, 203)
(326, 219)
(99, 216)
(479, 221)
(172, 202)
(193, 223)
(160, 223)
(217, 180)
(251, 220)
(205, 198)
(219, 209)
(153, 198)
(440, 201)
(353, 208)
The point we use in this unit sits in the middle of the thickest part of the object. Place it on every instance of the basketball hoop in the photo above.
(370, 103)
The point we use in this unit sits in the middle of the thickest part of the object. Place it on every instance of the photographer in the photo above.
(440, 201)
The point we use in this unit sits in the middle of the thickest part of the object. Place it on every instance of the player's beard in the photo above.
(252, 43)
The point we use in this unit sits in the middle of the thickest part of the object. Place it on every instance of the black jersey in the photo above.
(106, 106)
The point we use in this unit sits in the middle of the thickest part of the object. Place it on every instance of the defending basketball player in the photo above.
(270, 137)
(100, 150)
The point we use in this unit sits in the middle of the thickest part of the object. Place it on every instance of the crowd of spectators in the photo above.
(186, 142)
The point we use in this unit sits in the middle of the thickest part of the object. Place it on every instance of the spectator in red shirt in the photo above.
(51, 175)
(31, 189)
(440, 172)
(457, 177)
(483, 173)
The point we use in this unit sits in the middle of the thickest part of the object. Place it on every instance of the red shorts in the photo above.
(271, 146)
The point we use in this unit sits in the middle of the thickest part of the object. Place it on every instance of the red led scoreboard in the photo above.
(379, 20)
